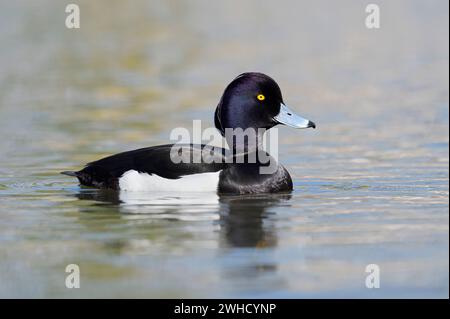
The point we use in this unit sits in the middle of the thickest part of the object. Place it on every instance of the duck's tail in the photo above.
(70, 173)
(79, 175)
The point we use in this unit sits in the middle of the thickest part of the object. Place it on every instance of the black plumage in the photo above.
(104, 173)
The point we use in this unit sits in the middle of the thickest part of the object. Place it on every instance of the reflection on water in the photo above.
(370, 184)
(241, 219)
(239, 222)
(244, 220)
(155, 203)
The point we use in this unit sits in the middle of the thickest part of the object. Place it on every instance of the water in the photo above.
(370, 184)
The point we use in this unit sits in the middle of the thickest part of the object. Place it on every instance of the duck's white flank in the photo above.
(143, 182)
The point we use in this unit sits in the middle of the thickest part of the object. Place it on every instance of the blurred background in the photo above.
(371, 183)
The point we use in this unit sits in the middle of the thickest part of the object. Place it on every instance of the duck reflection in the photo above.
(244, 221)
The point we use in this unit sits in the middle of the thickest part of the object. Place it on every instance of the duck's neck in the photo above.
(247, 141)
(246, 151)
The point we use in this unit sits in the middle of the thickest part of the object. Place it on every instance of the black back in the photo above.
(105, 172)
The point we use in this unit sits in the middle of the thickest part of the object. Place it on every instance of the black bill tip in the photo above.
(311, 124)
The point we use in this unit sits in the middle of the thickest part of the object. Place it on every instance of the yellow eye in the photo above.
(261, 97)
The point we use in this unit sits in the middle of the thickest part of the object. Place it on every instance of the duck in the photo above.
(252, 102)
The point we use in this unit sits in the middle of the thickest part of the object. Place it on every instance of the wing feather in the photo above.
(104, 173)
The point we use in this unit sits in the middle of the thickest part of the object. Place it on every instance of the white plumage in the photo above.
(143, 182)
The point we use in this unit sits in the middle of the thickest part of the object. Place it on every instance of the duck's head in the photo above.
(254, 100)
